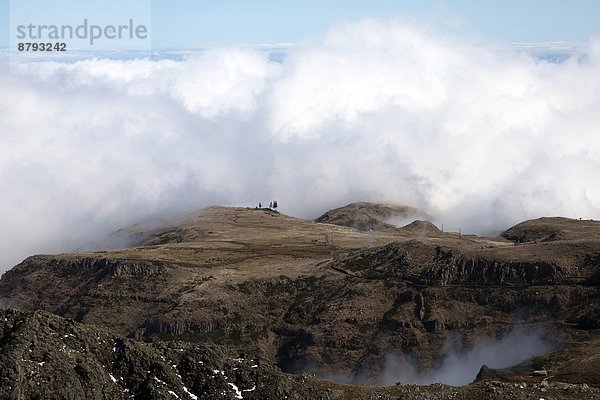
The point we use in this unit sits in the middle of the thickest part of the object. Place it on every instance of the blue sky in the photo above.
(182, 24)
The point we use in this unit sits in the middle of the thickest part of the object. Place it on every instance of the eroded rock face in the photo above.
(435, 265)
(98, 266)
(57, 283)
(451, 266)
(93, 268)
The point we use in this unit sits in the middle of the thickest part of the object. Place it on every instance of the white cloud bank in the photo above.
(476, 134)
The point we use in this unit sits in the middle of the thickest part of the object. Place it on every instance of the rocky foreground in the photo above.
(43, 356)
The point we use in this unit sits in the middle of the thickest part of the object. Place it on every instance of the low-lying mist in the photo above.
(459, 365)
(478, 134)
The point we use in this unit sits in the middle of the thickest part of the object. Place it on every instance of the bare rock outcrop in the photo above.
(451, 266)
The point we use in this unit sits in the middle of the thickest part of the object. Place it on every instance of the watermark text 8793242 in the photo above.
(44, 46)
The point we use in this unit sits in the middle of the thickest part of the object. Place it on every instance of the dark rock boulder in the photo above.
(485, 373)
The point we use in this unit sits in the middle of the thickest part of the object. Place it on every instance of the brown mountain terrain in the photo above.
(553, 228)
(366, 216)
(330, 299)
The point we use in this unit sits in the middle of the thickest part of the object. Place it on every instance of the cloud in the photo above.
(478, 134)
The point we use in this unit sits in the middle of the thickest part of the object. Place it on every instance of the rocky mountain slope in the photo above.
(46, 356)
(366, 216)
(329, 299)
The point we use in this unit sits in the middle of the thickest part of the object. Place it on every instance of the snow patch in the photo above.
(238, 393)
(192, 395)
